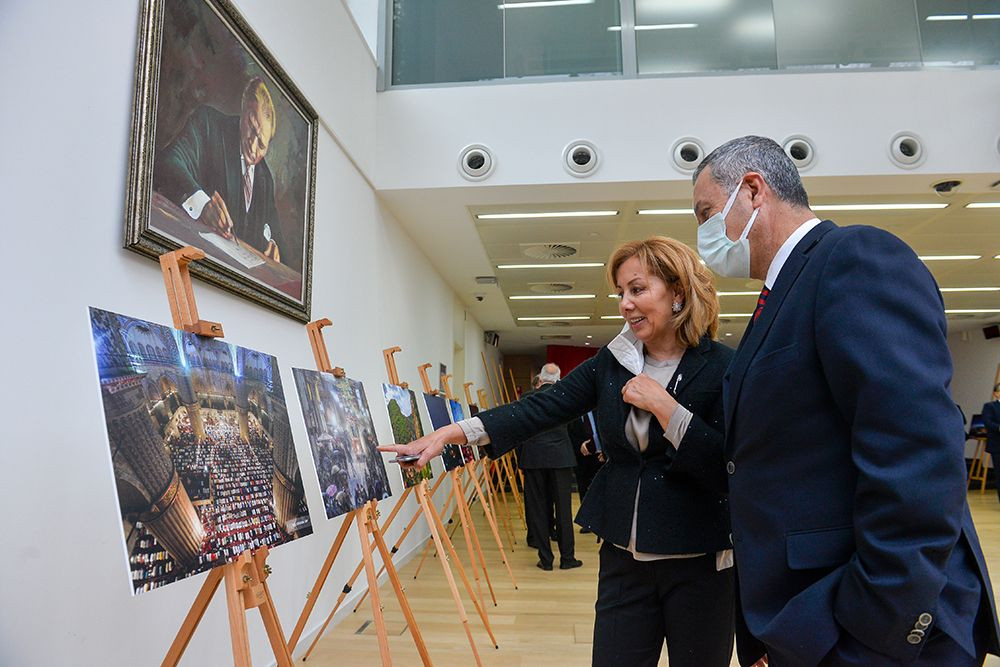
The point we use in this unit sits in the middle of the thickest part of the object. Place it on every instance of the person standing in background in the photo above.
(547, 460)
(991, 419)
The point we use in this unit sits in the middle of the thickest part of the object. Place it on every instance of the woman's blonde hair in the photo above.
(678, 266)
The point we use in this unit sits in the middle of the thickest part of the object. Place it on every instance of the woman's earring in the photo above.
(677, 307)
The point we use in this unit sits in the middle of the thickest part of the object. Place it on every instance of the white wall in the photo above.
(67, 68)
(850, 116)
(975, 365)
(365, 14)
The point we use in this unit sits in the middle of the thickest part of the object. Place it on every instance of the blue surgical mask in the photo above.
(721, 254)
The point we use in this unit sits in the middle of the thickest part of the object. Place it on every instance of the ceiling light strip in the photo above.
(534, 297)
(554, 318)
(545, 214)
(543, 3)
(575, 265)
(947, 17)
(956, 258)
(971, 311)
(970, 289)
(878, 207)
(983, 204)
(665, 211)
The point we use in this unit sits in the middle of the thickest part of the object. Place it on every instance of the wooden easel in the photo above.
(441, 541)
(490, 466)
(371, 538)
(244, 579)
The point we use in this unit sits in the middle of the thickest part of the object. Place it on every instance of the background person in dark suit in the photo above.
(547, 460)
(215, 170)
(991, 418)
(659, 503)
(853, 538)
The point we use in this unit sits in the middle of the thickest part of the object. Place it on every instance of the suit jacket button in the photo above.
(731, 468)
(914, 638)
(925, 620)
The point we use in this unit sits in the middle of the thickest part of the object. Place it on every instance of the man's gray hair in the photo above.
(549, 374)
(731, 161)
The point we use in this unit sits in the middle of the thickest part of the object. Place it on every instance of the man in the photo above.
(853, 539)
(550, 510)
(215, 170)
(547, 460)
(991, 419)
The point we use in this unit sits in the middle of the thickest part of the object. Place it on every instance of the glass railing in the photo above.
(452, 41)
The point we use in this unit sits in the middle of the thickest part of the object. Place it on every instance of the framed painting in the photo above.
(223, 155)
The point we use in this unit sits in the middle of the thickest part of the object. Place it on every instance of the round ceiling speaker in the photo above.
(476, 162)
(800, 149)
(906, 150)
(580, 158)
(687, 154)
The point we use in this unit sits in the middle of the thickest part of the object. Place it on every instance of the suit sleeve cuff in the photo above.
(195, 203)
(678, 425)
(474, 431)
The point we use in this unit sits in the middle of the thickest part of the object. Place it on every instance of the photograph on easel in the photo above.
(437, 409)
(468, 451)
(342, 438)
(401, 404)
(223, 154)
(201, 449)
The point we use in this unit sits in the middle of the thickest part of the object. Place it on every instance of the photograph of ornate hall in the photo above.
(204, 463)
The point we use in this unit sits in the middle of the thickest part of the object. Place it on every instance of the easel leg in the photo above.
(512, 480)
(461, 573)
(237, 617)
(399, 541)
(466, 517)
(424, 506)
(466, 527)
(430, 542)
(366, 554)
(505, 515)
(491, 519)
(193, 618)
(411, 622)
(317, 588)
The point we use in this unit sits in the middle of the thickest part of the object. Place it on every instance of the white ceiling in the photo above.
(442, 222)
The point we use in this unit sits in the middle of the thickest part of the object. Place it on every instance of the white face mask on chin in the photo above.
(721, 254)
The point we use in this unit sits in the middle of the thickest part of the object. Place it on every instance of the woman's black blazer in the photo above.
(683, 506)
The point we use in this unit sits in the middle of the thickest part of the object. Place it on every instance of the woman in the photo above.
(659, 502)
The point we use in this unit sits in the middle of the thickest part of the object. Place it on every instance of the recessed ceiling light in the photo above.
(947, 17)
(657, 26)
(535, 297)
(935, 258)
(553, 318)
(586, 343)
(729, 334)
(735, 314)
(543, 3)
(577, 265)
(739, 293)
(665, 211)
(545, 214)
(983, 204)
(612, 317)
(971, 311)
(970, 289)
(876, 207)
(589, 336)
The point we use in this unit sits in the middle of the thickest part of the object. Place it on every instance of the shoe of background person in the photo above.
(547, 567)
(584, 531)
(531, 543)
(570, 564)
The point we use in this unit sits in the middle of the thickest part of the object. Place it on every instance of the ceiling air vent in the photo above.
(549, 250)
(556, 337)
(550, 288)
(553, 323)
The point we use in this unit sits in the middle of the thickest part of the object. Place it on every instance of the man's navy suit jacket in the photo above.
(991, 417)
(845, 459)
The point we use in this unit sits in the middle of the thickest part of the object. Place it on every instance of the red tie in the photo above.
(760, 303)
